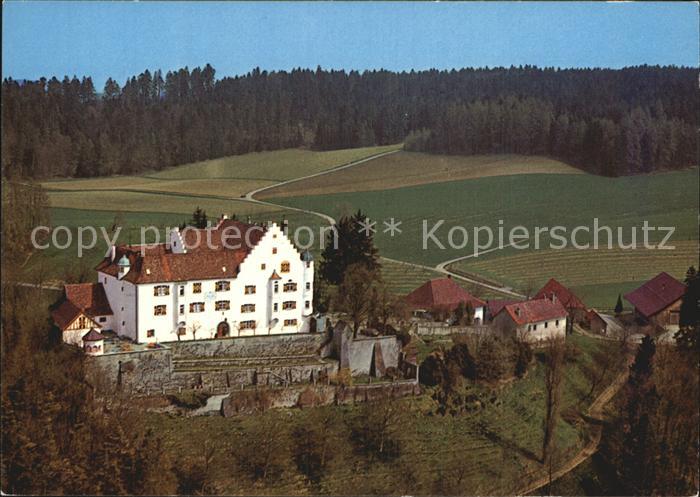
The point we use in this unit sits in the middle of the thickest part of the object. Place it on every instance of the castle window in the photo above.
(284, 267)
(82, 322)
(150, 333)
(308, 263)
(222, 286)
(546, 323)
(275, 307)
(274, 250)
(181, 331)
(161, 290)
(308, 285)
(262, 267)
(557, 322)
(249, 289)
(159, 310)
(248, 308)
(103, 319)
(307, 304)
(197, 307)
(247, 325)
(182, 290)
(277, 287)
(222, 305)
(289, 304)
(290, 287)
(196, 288)
(182, 308)
(290, 322)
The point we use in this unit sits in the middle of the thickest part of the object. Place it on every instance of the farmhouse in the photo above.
(493, 307)
(444, 294)
(658, 301)
(532, 320)
(233, 279)
(575, 306)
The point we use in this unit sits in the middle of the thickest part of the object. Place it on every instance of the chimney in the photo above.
(285, 226)
(554, 297)
(517, 311)
(224, 217)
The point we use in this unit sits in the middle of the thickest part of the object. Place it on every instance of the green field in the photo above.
(535, 200)
(488, 450)
(411, 168)
(597, 276)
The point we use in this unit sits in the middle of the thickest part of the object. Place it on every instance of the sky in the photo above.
(120, 39)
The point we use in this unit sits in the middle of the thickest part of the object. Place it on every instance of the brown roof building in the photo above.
(532, 320)
(574, 305)
(658, 301)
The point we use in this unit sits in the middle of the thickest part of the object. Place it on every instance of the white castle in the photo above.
(233, 279)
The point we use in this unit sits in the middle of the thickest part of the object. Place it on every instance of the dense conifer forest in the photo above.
(611, 122)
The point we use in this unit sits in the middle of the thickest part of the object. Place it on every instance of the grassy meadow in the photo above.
(536, 200)
(597, 276)
(486, 451)
(413, 168)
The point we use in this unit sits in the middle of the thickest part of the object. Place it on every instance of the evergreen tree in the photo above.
(348, 245)
(618, 306)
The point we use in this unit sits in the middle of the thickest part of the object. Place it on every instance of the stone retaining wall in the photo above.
(250, 402)
(292, 344)
(438, 329)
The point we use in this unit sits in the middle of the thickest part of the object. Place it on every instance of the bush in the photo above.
(493, 359)
(571, 352)
(189, 399)
(523, 359)
(432, 370)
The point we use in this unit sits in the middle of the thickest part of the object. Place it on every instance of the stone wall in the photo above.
(142, 372)
(220, 365)
(440, 329)
(293, 344)
(253, 401)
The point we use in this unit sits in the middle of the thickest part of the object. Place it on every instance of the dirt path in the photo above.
(440, 268)
(595, 413)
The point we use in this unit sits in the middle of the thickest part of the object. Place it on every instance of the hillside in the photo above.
(412, 168)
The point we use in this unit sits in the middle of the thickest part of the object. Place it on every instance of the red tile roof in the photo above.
(535, 311)
(93, 336)
(442, 292)
(81, 298)
(495, 305)
(568, 299)
(656, 294)
(206, 260)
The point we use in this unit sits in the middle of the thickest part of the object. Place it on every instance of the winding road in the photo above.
(440, 268)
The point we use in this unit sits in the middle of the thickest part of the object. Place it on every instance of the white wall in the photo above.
(543, 330)
(250, 273)
(122, 299)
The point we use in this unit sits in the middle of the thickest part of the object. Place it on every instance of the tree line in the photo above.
(612, 122)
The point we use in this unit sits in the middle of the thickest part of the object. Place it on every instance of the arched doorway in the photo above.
(223, 329)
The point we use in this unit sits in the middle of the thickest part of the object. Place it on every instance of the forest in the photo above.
(611, 122)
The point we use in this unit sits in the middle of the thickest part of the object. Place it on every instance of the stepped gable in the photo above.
(441, 292)
(210, 259)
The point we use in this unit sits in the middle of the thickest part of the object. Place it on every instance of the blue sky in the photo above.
(121, 39)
